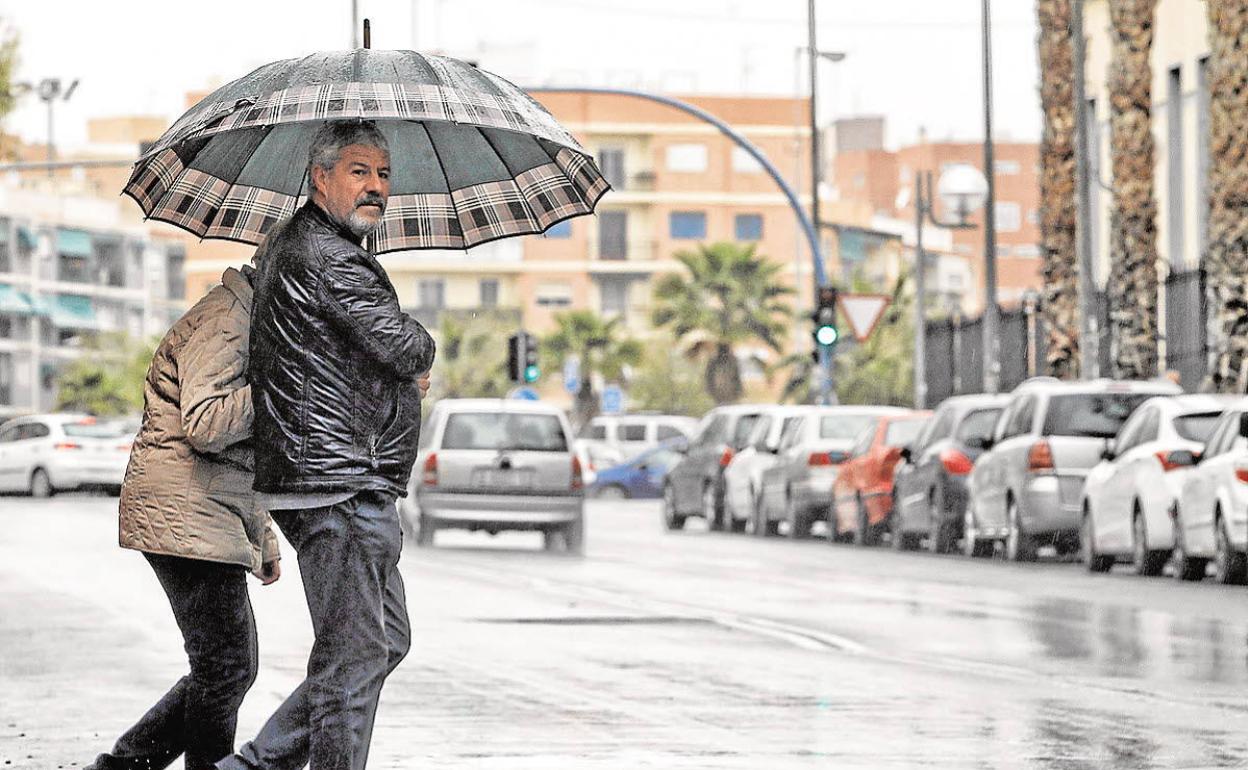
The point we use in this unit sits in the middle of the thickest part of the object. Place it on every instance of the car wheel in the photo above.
(973, 546)
(799, 525)
(940, 539)
(574, 536)
(1186, 567)
(863, 533)
(710, 510)
(425, 530)
(730, 518)
(1019, 546)
(1228, 564)
(611, 492)
(1094, 561)
(41, 485)
(1148, 563)
(672, 520)
(552, 539)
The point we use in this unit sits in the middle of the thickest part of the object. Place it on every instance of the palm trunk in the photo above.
(723, 376)
(1057, 187)
(1133, 242)
(1226, 252)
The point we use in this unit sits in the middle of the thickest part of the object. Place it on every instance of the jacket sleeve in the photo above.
(215, 397)
(269, 550)
(363, 306)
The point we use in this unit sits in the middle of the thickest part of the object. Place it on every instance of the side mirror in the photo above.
(906, 453)
(1108, 452)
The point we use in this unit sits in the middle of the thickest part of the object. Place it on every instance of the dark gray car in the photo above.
(695, 487)
(930, 485)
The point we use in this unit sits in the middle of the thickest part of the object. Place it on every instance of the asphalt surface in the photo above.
(665, 650)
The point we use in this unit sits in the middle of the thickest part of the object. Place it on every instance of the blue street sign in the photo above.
(525, 394)
(612, 400)
(572, 375)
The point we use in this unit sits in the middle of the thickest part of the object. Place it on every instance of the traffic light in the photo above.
(522, 356)
(825, 332)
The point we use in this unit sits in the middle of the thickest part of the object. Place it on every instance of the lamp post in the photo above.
(991, 312)
(962, 189)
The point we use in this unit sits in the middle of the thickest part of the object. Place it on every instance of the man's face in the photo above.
(356, 189)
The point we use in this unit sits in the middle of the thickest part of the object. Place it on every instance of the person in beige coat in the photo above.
(187, 504)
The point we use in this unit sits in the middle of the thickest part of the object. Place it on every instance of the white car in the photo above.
(632, 434)
(48, 453)
(1211, 514)
(1127, 497)
(743, 478)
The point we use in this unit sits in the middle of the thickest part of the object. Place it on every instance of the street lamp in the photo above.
(49, 90)
(962, 189)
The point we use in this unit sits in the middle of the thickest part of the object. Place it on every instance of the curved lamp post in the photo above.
(962, 190)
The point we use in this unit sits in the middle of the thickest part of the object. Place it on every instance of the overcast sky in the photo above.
(915, 61)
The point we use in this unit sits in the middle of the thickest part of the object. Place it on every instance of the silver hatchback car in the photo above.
(493, 465)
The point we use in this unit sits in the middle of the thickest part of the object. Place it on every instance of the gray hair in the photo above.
(333, 135)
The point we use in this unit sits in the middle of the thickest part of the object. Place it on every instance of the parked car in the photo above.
(641, 477)
(1211, 513)
(930, 485)
(48, 453)
(743, 477)
(695, 486)
(595, 456)
(632, 434)
(862, 495)
(1128, 497)
(797, 488)
(1027, 489)
(499, 464)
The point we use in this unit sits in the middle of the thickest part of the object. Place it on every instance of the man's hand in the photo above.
(422, 381)
(269, 572)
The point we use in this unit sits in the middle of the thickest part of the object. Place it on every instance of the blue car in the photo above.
(639, 478)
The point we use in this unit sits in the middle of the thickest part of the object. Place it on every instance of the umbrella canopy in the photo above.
(473, 157)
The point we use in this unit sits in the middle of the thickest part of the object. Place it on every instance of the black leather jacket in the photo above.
(333, 365)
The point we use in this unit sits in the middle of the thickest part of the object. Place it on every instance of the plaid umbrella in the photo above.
(473, 158)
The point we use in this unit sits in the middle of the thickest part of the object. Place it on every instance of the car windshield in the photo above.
(1197, 427)
(741, 432)
(902, 432)
(845, 426)
(504, 431)
(978, 425)
(110, 429)
(661, 458)
(1098, 415)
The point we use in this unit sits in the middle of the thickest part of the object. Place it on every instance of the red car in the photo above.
(862, 495)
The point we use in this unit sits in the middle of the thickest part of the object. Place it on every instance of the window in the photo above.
(715, 431)
(1007, 167)
(666, 432)
(748, 227)
(1009, 217)
(500, 431)
(6, 249)
(613, 235)
(744, 162)
(631, 431)
(687, 225)
(846, 427)
(554, 295)
(1099, 415)
(741, 431)
(941, 427)
(33, 430)
(1196, 427)
(686, 158)
(903, 432)
(865, 440)
(595, 431)
(6, 379)
(431, 293)
(758, 436)
(978, 425)
(175, 272)
(9, 434)
(1174, 168)
(1220, 440)
(611, 164)
(1026, 250)
(559, 230)
(614, 294)
(1033, 217)
(74, 252)
(489, 292)
(1020, 418)
(792, 430)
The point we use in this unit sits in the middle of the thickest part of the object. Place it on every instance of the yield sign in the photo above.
(863, 311)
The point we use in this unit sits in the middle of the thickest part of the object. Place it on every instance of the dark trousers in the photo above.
(348, 559)
(198, 716)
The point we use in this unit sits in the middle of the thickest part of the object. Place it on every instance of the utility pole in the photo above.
(1089, 354)
(992, 359)
(825, 354)
(920, 295)
(355, 24)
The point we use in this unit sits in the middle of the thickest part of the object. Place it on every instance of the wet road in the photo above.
(666, 650)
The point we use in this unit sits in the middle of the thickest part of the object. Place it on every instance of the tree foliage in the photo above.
(668, 382)
(728, 296)
(107, 380)
(599, 344)
(471, 360)
(8, 64)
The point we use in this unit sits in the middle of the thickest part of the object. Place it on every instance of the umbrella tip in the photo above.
(368, 34)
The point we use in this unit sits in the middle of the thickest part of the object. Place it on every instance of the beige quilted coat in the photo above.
(187, 490)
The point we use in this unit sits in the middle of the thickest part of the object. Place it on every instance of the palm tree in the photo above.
(1226, 250)
(1133, 246)
(471, 360)
(1057, 187)
(729, 296)
(600, 347)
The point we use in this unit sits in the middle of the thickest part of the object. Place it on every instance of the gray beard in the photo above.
(359, 226)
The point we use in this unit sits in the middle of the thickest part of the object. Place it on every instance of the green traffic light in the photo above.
(531, 373)
(827, 335)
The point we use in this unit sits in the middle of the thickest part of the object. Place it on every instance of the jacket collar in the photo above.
(239, 283)
(321, 217)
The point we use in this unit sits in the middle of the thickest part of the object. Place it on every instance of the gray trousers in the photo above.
(348, 558)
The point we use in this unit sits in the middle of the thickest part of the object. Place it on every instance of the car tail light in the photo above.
(1166, 465)
(1241, 473)
(726, 457)
(956, 463)
(578, 478)
(824, 459)
(430, 477)
(1040, 458)
(66, 445)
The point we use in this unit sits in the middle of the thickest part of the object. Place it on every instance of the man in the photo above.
(337, 373)
(187, 505)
